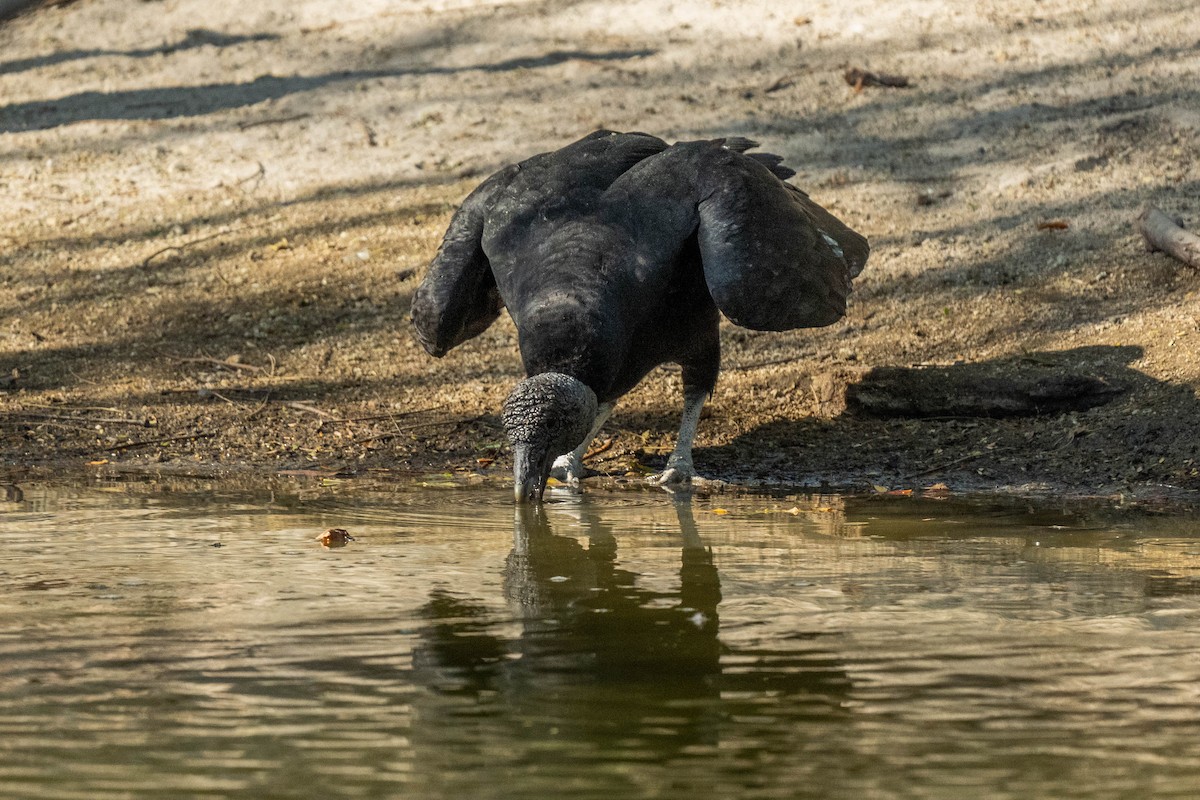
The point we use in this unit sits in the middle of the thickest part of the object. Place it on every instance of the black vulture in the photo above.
(616, 254)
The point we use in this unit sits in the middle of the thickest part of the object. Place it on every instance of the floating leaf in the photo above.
(720, 511)
(335, 537)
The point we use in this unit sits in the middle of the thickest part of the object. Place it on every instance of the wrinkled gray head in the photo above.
(545, 416)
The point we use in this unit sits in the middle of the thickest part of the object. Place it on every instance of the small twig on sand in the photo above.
(217, 362)
(858, 78)
(141, 423)
(179, 248)
(16, 423)
(255, 123)
(218, 395)
(82, 379)
(942, 467)
(784, 82)
(1163, 233)
(378, 417)
(405, 428)
(771, 362)
(372, 137)
(603, 447)
(309, 409)
(258, 409)
(257, 177)
(956, 462)
(152, 442)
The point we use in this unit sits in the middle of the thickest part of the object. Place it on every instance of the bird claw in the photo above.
(570, 470)
(673, 476)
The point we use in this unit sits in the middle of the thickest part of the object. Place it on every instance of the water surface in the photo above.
(204, 645)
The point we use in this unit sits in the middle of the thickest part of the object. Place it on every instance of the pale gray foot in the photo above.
(678, 472)
(569, 468)
(679, 465)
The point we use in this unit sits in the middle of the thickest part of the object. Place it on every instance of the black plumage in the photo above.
(616, 254)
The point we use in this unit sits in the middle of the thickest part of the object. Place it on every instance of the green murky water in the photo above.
(156, 645)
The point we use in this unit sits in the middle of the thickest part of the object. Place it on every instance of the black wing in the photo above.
(772, 258)
(458, 298)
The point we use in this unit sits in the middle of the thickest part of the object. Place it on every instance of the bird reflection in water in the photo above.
(584, 612)
(588, 656)
(579, 613)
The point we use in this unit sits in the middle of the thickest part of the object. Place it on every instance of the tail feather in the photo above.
(738, 144)
(773, 163)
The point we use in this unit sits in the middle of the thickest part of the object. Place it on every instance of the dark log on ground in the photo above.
(976, 390)
(1163, 233)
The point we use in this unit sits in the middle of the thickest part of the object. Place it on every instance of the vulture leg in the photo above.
(679, 465)
(569, 467)
(699, 375)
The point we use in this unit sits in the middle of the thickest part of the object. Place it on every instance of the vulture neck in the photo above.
(574, 336)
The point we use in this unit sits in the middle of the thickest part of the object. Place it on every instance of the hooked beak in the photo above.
(529, 475)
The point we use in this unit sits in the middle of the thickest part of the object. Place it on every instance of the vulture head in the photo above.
(545, 416)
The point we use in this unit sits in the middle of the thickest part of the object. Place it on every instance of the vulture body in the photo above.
(616, 254)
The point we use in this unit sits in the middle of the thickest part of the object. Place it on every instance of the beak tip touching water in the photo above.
(529, 483)
(527, 491)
